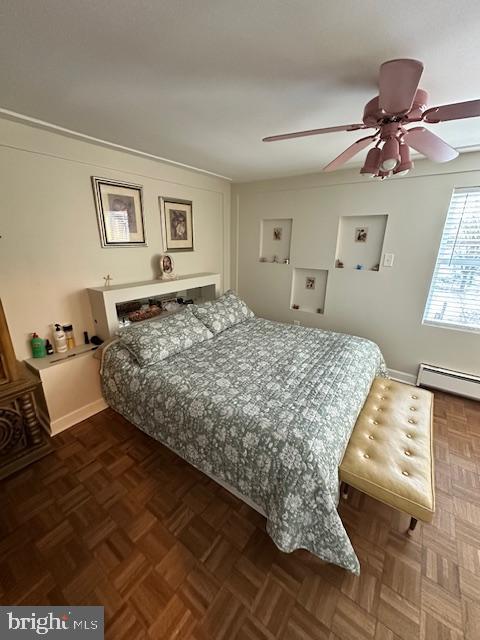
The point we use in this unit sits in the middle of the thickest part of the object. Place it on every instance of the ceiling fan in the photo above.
(400, 102)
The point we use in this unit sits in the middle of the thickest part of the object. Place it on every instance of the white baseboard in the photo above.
(401, 376)
(65, 422)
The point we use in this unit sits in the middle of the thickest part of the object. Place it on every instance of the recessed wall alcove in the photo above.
(360, 242)
(275, 239)
(309, 288)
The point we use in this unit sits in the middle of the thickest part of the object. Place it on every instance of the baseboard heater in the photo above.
(461, 384)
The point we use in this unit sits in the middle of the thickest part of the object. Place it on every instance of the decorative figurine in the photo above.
(338, 264)
(262, 259)
(295, 306)
(376, 267)
(319, 310)
(359, 267)
(275, 259)
(286, 261)
(108, 280)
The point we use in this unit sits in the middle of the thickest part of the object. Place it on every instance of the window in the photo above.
(454, 298)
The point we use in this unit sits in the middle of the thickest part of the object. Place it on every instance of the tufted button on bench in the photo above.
(389, 456)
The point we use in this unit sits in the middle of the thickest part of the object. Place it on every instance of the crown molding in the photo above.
(42, 124)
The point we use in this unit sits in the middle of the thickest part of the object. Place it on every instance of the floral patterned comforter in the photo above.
(266, 407)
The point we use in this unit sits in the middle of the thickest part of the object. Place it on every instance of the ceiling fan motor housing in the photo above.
(374, 116)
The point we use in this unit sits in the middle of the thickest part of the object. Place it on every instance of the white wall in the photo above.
(50, 248)
(387, 306)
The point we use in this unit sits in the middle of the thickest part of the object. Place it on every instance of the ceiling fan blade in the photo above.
(429, 144)
(349, 153)
(398, 84)
(456, 111)
(315, 132)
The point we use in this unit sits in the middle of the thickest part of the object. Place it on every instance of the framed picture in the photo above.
(177, 224)
(277, 233)
(309, 282)
(166, 267)
(119, 213)
(361, 234)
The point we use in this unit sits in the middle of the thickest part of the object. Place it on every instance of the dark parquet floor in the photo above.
(114, 518)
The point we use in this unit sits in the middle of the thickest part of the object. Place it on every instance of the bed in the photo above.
(264, 407)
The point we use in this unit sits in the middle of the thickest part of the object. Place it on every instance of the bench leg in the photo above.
(413, 524)
(344, 490)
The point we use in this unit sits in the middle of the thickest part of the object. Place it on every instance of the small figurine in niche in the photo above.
(376, 267)
(361, 234)
(108, 280)
(275, 259)
(338, 264)
(319, 310)
(166, 267)
(295, 306)
(277, 233)
(309, 282)
(359, 267)
(286, 261)
(262, 259)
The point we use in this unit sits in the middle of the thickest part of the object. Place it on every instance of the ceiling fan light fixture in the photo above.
(390, 155)
(372, 163)
(405, 163)
(384, 174)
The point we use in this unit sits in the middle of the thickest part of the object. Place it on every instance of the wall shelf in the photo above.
(360, 242)
(309, 289)
(275, 239)
(38, 364)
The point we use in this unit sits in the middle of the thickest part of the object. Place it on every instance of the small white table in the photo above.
(71, 387)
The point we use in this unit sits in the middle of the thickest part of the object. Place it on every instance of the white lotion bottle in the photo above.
(59, 339)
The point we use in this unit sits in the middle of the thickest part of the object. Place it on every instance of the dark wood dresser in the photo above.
(22, 439)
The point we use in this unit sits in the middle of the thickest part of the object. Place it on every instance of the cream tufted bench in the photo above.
(389, 456)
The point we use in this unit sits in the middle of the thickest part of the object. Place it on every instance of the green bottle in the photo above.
(38, 346)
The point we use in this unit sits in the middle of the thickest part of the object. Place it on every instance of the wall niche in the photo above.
(360, 242)
(275, 239)
(309, 288)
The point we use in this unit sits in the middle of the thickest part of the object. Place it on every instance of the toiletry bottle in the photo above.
(59, 339)
(68, 329)
(48, 347)
(38, 346)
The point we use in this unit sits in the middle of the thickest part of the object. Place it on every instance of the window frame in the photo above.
(442, 324)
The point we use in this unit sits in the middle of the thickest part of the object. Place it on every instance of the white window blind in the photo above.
(454, 298)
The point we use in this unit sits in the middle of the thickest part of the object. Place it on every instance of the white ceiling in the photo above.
(202, 81)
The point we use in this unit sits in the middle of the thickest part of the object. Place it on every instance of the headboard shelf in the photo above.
(104, 300)
(162, 286)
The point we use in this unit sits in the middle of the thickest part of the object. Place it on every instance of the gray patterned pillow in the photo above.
(153, 341)
(223, 313)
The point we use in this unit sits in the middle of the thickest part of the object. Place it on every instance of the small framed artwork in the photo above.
(177, 224)
(309, 282)
(119, 213)
(277, 233)
(166, 267)
(361, 234)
